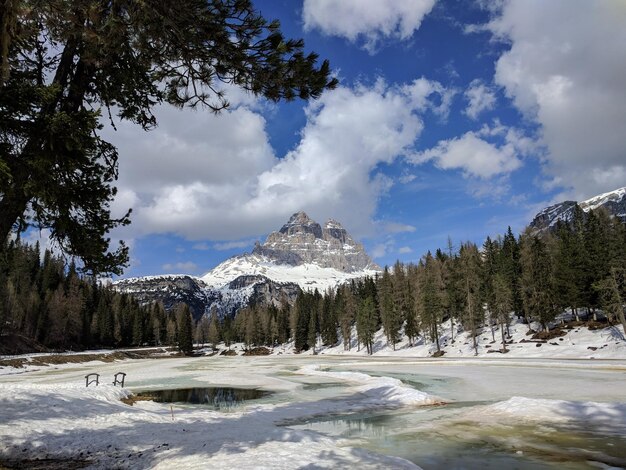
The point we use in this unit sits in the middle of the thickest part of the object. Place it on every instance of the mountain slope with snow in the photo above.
(301, 255)
(613, 201)
(301, 252)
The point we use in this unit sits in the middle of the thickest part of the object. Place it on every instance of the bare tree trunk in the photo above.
(503, 340)
(451, 328)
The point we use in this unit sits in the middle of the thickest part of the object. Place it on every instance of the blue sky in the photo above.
(452, 118)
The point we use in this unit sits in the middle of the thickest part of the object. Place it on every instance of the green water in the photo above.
(218, 398)
(445, 437)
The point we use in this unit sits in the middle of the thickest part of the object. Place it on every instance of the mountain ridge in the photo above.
(300, 255)
(613, 201)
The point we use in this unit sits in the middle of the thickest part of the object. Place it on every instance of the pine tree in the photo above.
(431, 298)
(491, 265)
(390, 315)
(328, 320)
(453, 286)
(184, 334)
(511, 269)
(470, 264)
(537, 282)
(367, 323)
(69, 62)
(411, 325)
(346, 310)
(612, 293)
(202, 329)
(502, 303)
(300, 320)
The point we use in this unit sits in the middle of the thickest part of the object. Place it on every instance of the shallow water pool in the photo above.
(218, 398)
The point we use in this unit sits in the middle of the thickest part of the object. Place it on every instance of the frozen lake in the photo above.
(324, 412)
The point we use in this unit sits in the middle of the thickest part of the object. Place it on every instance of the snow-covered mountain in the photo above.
(301, 255)
(614, 202)
(301, 252)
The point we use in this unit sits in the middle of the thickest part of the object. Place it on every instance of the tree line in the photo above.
(47, 300)
(578, 266)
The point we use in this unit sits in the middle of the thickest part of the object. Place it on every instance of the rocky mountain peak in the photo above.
(302, 241)
(300, 222)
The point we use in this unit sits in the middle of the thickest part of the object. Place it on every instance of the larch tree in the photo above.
(502, 304)
(64, 65)
(367, 323)
(389, 313)
(612, 292)
(470, 265)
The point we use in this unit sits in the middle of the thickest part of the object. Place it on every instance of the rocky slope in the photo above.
(301, 252)
(614, 202)
(301, 255)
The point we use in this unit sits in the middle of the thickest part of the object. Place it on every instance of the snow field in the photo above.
(66, 420)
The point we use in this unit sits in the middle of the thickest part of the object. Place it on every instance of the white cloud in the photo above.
(395, 227)
(216, 178)
(201, 246)
(380, 250)
(565, 70)
(473, 155)
(230, 245)
(406, 177)
(403, 250)
(183, 267)
(369, 21)
(479, 98)
(421, 92)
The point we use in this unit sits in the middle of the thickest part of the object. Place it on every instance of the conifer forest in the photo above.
(578, 267)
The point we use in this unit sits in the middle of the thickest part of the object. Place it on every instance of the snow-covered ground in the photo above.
(547, 406)
(577, 343)
(49, 413)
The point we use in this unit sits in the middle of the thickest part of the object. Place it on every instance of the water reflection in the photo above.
(216, 397)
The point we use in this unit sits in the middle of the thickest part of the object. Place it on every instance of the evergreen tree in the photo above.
(202, 328)
(68, 60)
(470, 264)
(346, 305)
(511, 268)
(411, 325)
(569, 266)
(328, 320)
(300, 320)
(612, 293)
(431, 298)
(537, 282)
(502, 304)
(390, 315)
(367, 323)
(184, 334)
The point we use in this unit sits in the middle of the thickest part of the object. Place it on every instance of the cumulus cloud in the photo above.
(216, 178)
(565, 70)
(395, 227)
(479, 98)
(473, 155)
(367, 21)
